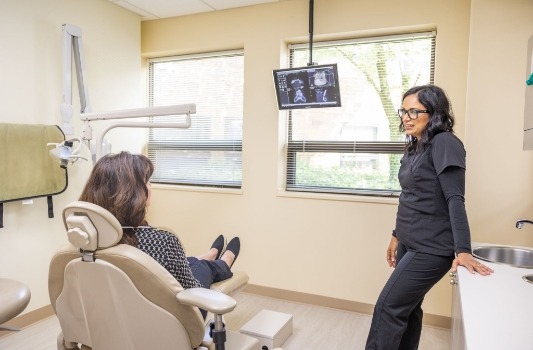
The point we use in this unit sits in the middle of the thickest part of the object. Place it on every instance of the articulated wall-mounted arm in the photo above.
(174, 110)
(72, 46)
(72, 49)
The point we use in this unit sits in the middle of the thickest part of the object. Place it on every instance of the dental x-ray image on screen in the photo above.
(307, 87)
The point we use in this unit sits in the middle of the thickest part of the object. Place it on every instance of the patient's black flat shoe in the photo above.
(218, 244)
(234, 246)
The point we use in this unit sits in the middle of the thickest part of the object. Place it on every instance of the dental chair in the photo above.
(14, 297)
(115, 296)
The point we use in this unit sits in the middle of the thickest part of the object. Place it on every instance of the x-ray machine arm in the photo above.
(72, 48)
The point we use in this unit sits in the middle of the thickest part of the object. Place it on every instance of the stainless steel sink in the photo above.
(513, 256)
(528, 278)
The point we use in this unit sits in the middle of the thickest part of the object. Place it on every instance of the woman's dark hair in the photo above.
(118, 184)
(440, 112)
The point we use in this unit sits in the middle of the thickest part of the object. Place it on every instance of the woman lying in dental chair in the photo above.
(120, 183)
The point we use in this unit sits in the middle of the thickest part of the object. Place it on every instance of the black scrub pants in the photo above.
(397, 320)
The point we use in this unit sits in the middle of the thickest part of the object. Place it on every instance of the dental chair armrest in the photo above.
(210, 300)
(232, 285)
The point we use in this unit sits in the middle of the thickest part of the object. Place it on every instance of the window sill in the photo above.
(197, 189)
(339, 197)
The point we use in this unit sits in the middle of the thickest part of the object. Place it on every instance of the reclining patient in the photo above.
(120, 183)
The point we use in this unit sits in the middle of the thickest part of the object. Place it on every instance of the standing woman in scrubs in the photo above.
(432, 232)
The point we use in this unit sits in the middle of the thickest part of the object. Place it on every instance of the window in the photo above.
(209, 153)
(356, 148)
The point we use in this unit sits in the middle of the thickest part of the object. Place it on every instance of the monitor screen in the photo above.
(307, 87)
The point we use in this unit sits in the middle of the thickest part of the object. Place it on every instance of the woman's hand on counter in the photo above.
(468, 261)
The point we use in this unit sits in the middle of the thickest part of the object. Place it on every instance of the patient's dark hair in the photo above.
(118, 184)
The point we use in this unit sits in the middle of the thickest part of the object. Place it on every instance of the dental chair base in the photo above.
(218, 304)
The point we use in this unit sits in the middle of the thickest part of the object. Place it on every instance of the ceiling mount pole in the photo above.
(311, 15)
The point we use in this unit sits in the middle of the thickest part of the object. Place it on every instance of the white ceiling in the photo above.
(154, 9)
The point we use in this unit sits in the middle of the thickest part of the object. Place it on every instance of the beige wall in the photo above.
(500, 175)
(31, 66)
(322, 245)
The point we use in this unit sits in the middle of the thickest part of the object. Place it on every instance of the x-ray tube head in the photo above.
(65, 153)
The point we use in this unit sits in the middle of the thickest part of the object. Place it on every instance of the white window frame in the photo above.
(295, 147)
(230, 148)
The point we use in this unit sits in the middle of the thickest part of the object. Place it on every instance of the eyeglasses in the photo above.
(412, 113)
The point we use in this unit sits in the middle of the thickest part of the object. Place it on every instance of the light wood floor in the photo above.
(314, 327)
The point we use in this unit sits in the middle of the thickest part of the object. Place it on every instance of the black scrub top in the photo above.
(423, 221)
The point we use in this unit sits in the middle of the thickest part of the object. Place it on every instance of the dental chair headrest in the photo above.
(91, 227)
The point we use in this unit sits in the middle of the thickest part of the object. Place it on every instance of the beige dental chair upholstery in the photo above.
(14, 297)
(109, 296)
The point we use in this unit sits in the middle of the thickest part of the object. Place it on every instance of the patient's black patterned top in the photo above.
(167, 250)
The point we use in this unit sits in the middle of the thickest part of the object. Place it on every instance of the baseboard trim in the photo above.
(341, 304)
(44, 312)
(28, 319)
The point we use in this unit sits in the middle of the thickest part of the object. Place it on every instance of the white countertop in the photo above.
(497, 309)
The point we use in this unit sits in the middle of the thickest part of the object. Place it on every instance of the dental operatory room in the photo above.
(266, 174)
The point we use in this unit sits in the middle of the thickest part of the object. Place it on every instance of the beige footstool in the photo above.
(271, 328)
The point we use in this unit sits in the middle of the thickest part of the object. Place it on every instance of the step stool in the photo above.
(271, 328)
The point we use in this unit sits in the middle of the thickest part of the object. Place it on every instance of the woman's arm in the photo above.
(177, 264)
(452, 181)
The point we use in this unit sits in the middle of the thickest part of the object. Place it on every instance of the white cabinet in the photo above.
(492, 312)
(458, 333)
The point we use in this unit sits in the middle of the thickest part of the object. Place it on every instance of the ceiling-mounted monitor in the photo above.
(307, 87)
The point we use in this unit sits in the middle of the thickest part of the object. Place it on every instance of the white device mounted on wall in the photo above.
(528, 104)
(65, 152)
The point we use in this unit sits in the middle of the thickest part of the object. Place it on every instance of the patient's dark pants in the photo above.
(208, 272)
(397, 319)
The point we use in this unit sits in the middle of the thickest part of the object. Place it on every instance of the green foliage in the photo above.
(344, 177)
(389, 67)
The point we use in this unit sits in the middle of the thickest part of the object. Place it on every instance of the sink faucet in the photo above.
(520, 223)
